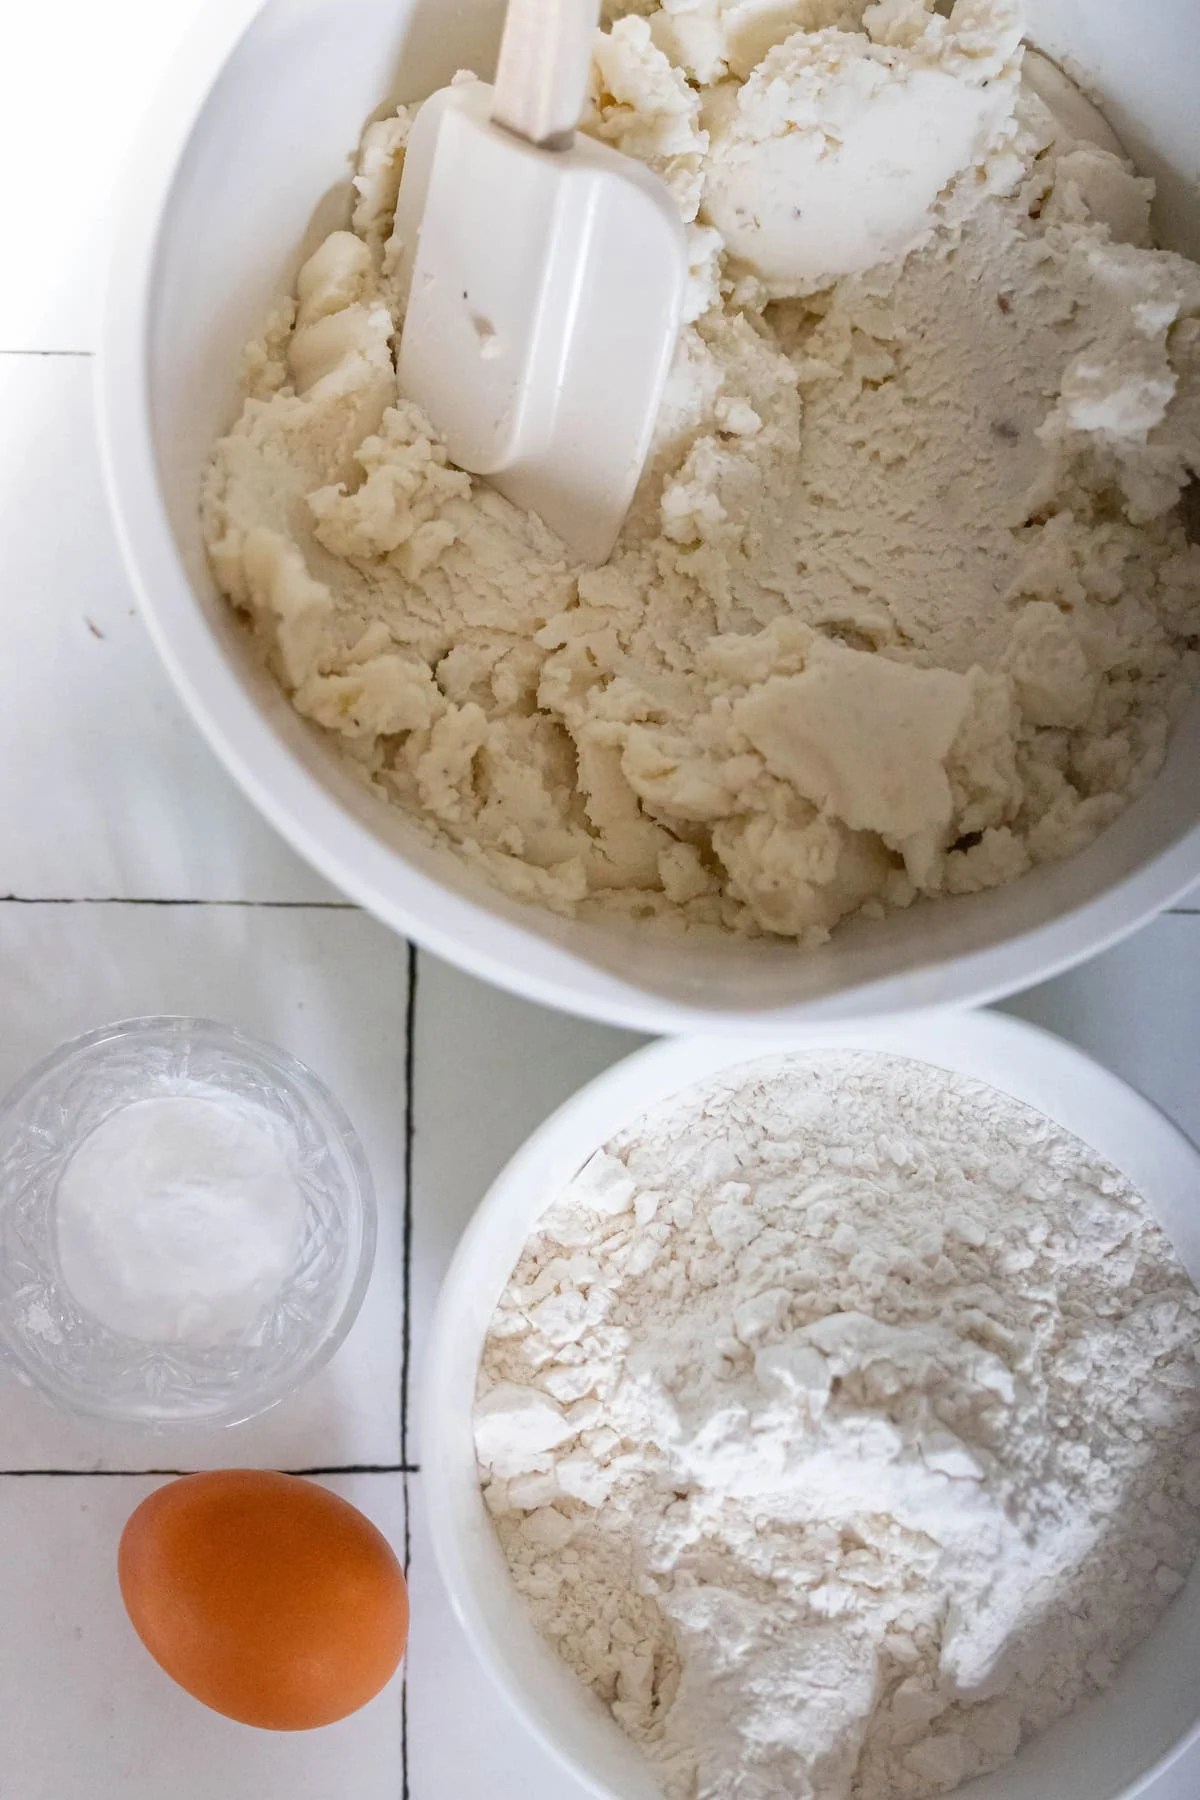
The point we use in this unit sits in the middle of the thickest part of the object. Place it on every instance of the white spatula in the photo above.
(545, 277)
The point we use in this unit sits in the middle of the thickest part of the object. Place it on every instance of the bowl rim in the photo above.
(363, 1202)
(509, 954)
(1025, 1061)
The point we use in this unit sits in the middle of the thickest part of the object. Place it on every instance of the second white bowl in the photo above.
(1107, 1749)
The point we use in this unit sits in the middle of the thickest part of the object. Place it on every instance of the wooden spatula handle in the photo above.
(541, 78)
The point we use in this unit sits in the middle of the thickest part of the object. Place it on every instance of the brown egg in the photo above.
(267, 1597)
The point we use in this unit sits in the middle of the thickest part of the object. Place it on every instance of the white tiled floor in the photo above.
(110, 804)
(73, 82)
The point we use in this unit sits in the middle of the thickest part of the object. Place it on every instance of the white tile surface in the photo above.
(106, 787)
(74, 81)
(331, 987)
(488, 1069)
(1137, 1010)
(85, 1713)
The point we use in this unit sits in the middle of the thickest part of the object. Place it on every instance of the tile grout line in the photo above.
(410, 1019)
(400, 1468)
(146, 900)
(410, 1060)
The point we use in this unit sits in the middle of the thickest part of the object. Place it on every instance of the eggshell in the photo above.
(267, 1597)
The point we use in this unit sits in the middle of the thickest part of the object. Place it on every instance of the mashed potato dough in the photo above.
(905, 604)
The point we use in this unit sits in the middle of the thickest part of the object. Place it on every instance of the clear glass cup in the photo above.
(76, 1359)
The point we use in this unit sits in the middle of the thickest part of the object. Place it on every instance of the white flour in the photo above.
(841, 1429)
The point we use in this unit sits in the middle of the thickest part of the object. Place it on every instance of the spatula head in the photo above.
(545, 291)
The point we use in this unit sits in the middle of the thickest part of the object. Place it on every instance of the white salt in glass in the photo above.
(75, 1358)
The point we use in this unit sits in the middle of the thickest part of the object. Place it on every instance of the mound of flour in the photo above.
(841, 1428)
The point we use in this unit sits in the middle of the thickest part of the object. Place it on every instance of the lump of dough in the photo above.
(399, 506)
(866, 740)
(831, 157)
(643, 106)
(1054, 682)
(387, 695)
(710, 39)
(292, 610)
(336, 276)
(799, 880)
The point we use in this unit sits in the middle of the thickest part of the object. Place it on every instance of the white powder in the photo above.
(179, 1218)
(841, 1428)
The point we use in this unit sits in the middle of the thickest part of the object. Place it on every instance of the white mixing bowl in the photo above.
(1106, 1750)
(256, 123)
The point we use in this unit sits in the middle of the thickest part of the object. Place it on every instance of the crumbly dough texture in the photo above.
(905, 604)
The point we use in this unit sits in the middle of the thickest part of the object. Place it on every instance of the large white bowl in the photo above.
(255, 125)
(1106, 1750)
